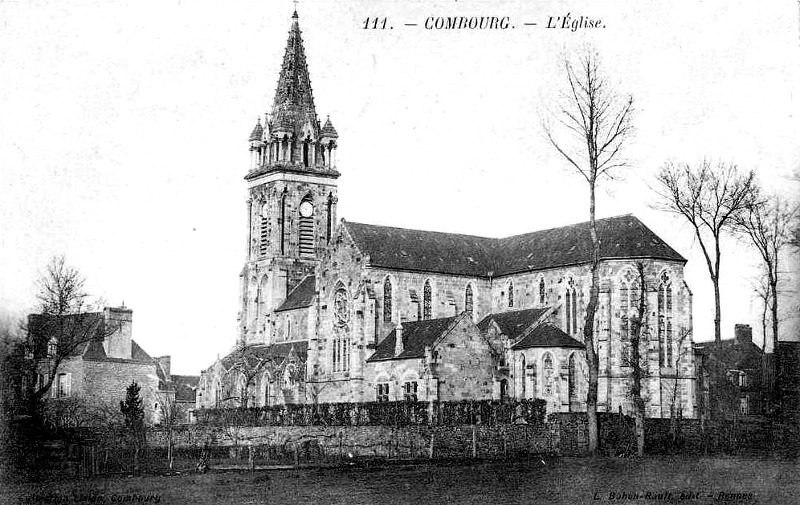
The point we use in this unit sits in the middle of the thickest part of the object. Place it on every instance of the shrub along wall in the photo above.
(484, 412)
(690, 436)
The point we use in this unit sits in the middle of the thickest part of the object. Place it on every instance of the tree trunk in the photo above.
(717, 309)
(588, 330)
(636, 363)
(776, 357)
(169, 451)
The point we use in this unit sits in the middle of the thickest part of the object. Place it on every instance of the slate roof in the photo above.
(257, 132)
(621, 237)
(416, 336)
(301, 296)
(41, 327)
(328, 130)
(185, 387)
(547, 335)
(419, 250)
(514, 322)
(734, 355)
(276, 352)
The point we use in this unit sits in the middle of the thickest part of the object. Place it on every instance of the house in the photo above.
(732, 378)
(98, 361)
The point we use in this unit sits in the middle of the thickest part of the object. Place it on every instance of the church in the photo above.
(339, 311)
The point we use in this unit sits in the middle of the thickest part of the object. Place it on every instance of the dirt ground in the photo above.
(563, 480)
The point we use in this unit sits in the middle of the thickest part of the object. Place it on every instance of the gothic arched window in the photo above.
(264, 229)
(306, 227)
(623, 309)
(522, 377)
(572, 381)
(574, 312)
(468, 302)
(548, 375)
(568, 307)
(329, 219)
(387, 300)
(541, 291)
(283, 221)
(665, 320)
(427, 303)
(511, 293)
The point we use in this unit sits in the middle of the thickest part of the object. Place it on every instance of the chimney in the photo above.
(398, 340)
(743, 334)
(118, 321)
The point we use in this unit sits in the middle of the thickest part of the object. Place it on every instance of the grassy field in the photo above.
(563, 480)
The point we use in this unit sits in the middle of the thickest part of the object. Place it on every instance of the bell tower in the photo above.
(292, 195)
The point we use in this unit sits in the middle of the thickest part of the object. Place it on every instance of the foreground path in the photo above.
(552, 481)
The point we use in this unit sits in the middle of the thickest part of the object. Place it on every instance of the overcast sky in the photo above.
(124, 127)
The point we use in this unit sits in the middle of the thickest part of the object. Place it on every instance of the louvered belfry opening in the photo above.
(264, 239)
(306, 233)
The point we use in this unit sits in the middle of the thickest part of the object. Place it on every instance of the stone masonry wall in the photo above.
(105, 382)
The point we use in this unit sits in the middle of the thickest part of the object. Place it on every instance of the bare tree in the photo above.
(710, 198)
(170, 414)
(762, 292)
(590, 127)
(675, 407)
(638, 364)
(768, 224)
(248, 364)
(63, 325)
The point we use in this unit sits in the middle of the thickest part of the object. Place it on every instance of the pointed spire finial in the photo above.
(295, 16)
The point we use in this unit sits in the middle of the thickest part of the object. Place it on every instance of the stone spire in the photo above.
(293, 106)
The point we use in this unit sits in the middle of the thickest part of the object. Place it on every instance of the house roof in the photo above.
(301, 296)
(416, 336)
(185, 387)
(514, 322)
(732, 354)
(83, 326)
(547, 335)
(621, 237)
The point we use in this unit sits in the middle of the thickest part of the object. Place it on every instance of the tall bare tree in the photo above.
(638, 364)
(711, 198)
(590, 127)
(769, 223)
(63, 324)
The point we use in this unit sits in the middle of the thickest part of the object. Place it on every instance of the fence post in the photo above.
(474, 442)
(430, 451)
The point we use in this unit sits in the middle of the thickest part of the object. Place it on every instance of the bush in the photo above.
(486, 412)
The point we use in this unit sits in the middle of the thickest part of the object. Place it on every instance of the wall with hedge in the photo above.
(484, 412)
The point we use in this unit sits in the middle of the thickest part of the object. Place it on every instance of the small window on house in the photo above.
(742, 380)
(410, 391)
(382, 392)
(63, 388)
(743, 406)
(52, 347)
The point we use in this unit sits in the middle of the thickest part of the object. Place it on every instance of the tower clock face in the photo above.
(264, 210)
(306, 209)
